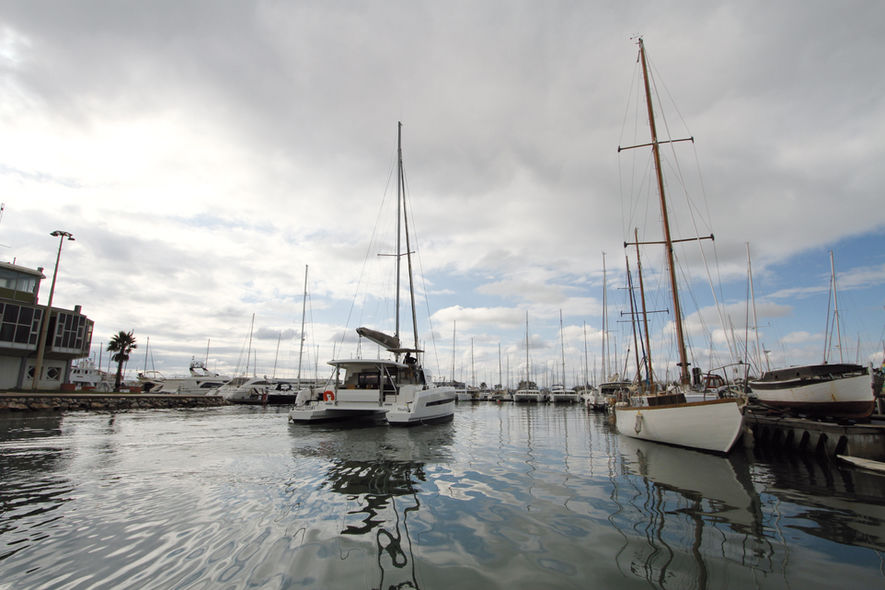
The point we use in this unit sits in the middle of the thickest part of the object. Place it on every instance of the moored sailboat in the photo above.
(666, 417)
(839, 390)
(399, 389)
(527, 391)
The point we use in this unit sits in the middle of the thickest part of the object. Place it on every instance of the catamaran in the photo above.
(399, 389)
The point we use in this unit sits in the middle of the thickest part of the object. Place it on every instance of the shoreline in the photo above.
(16, 402)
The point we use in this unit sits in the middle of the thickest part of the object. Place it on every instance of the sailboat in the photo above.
(712, 425)
(612, 389)
(558, 393)
(838, 390)
(398, 389)
(528, 391)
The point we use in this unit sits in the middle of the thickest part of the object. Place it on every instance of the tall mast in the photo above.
(249, 350)
(472, 366)
(500, 376)
(649, 372)
(586, 364)
(562, 347)
(303, 310)
(633, 319)
(835, 308)
(399, 185)
(668, 242)
(527, 350)
(605, 373)
(755, 319)
(401, 213)
(453, 350)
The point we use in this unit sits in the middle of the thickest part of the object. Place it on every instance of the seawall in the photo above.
(28, 402)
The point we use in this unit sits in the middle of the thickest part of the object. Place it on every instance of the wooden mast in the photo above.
(677, 309)
(650, 374)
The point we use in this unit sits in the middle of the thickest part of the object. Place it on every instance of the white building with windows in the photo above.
(69, 336)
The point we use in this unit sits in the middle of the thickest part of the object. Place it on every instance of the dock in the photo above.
(829, 439)
(59, 402)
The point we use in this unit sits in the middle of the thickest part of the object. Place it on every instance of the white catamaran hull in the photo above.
(323, 411)
(436, 404)
(527, 395)
(710, 426)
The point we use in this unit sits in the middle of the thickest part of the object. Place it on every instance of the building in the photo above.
(69, 336)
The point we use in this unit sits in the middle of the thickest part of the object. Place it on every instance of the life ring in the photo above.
(328, 395)
(637, 427)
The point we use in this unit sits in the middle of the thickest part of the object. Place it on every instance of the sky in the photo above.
(203, 153)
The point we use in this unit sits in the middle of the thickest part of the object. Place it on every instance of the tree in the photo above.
(122, 344)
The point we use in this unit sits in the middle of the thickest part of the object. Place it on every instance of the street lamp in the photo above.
(41, 344)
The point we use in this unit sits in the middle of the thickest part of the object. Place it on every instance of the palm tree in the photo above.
(121, 345)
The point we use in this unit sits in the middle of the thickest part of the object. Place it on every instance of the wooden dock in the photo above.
(829, 439)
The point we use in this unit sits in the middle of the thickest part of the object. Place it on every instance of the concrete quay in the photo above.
(32, 402)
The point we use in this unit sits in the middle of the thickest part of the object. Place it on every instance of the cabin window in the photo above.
(368, 380)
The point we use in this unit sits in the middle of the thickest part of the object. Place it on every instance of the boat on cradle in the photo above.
(667, 418)
(398, 389)
(838, 390)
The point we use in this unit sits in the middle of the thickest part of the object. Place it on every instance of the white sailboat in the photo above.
(839, 390)
(399, 389)
(527, 391)
(712, 425)
(558, 393)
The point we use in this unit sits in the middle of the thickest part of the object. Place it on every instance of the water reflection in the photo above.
(381, 472)
(838, 503)
(686, 505)
(31, 456)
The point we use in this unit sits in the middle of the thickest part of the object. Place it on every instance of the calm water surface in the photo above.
(504, 496)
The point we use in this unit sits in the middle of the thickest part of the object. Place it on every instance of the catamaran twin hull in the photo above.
(528, 395)
(437, 406)
(837, 390)
(712, 425)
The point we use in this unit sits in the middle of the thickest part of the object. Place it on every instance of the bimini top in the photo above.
(368, 363)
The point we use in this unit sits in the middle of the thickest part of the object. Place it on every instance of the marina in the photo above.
(504, 495)
(705, 446)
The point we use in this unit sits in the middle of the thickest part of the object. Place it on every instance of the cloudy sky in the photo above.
(202, 153)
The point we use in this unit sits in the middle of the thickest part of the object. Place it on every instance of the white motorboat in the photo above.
(399, 389)
(200, 381)
(86, 376)
(667, 418)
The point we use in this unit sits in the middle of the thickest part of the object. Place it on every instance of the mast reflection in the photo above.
(382, 472)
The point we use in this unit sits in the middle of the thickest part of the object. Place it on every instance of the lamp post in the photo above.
(44, 328)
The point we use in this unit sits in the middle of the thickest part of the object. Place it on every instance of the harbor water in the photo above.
(505, 496)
